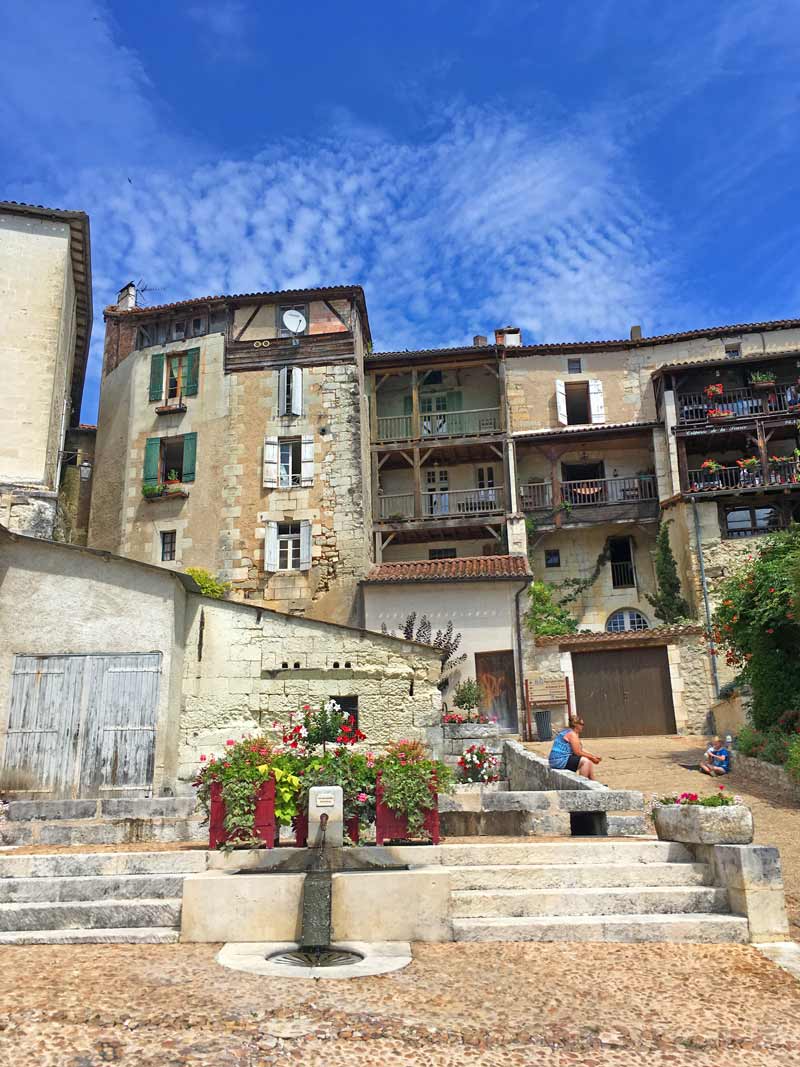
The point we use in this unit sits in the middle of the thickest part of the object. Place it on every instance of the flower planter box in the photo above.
(763, 387)
(390, 825)
(693, 824)
(720, 420)
(171, 409)
(300, 826)
(264, 826)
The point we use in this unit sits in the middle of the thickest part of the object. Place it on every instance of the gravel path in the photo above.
(655, 765)
(455, 1006)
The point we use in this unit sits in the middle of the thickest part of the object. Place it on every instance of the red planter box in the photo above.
(300, 824)
(264, 827)
(392, 826)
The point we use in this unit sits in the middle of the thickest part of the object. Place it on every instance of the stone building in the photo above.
(46, 301)
(229, 441)
(118, 674)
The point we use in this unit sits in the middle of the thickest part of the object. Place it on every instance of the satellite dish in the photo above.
(294, 321)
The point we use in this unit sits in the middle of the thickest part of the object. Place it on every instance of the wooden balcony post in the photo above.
(417, 482)
(502, 402)
(555, 479)
(763, 452)
(373, 407)
(415, 433)
(683, 465)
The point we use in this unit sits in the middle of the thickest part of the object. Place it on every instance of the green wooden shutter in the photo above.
(152, 459)
(192, 367)
(157, 376)
(189, 456)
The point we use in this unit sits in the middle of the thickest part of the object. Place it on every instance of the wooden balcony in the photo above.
(438, 425)
(745, 403)
(594, 499)
(776, 475)
(442, 505)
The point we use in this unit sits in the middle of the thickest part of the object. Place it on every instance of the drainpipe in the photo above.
(704, 586)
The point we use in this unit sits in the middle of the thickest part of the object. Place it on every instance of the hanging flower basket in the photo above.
(264, 826)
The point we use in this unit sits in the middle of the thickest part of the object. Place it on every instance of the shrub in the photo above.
(209, 585)
(668, 604)
(546, 618)
(468, 694)
(793, 759)
(749, 741)
(776, 748)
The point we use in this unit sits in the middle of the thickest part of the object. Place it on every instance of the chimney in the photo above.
(636, 333)
(126, 297)
(511, 336)
(478, 340)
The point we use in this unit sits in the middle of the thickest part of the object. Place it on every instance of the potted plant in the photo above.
(714, 390)
(711, 466)
(407, 790)
(172, 477)
(151, 492)
(748, 463)
(247, 793)
(720, 414)
(468, 696)
(477, 764)
(717, 819)
(762, 379)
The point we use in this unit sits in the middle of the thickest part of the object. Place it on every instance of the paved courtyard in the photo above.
(656, 765)
(463, 1004)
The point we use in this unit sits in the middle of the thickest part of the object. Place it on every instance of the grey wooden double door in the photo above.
(82, 726)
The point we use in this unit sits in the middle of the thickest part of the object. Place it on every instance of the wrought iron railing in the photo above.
(623, 575)
(693, 408)
(705, 480)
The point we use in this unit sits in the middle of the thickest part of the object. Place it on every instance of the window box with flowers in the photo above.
(762, 380)
(716, 415)
(407, 790)
(717, 819)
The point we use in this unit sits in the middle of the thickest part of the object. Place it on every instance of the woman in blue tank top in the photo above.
(568, 754)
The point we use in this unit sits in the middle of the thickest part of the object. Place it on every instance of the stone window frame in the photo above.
(169, 545)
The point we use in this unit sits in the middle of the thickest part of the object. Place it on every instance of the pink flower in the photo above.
(362, 798)
(230, 742)
(202, 759)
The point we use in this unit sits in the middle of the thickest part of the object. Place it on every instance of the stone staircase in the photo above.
(69, 898)
(587, 891)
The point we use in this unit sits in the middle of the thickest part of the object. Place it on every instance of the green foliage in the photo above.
(544, 617)
(749, 741)
(719, 799)
(573, 588)
(776, 748)
(410, 781)
(793, 759)
(209, 585)
(756, 624)
(668, 604)
(468, 694)
(354, 772)
(149, 491)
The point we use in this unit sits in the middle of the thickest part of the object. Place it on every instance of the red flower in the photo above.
(770, 630)
(226, 764)
(230, 742)
(202, 759)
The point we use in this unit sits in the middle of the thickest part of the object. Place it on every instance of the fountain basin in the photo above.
(260, 958)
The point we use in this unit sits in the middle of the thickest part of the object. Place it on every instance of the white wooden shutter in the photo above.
(271, 547)
(297, 390)
(307, 460)
(270, 462)
(561, 401)
(305, 546)
(282, 377)
(596, 404)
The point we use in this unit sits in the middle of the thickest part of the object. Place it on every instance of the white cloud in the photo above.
(223, 21)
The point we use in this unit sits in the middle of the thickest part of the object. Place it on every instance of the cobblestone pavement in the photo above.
(456, 1005)
(654, 765)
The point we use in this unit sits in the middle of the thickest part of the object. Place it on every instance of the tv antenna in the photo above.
(142, 289)
(295, 322)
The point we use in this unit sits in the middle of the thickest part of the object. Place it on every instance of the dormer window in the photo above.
(733, 351)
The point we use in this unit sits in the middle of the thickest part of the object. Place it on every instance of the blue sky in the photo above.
(570, 168)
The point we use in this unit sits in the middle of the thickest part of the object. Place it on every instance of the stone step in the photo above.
(77, 864)
(661, 900)
(705, 929)
(110, 808)
(88, 915)
(88, 888)
(571, 876)
(577, 851)
(160, 935)
(123, 831)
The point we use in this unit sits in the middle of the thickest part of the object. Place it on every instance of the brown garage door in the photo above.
(624, 693)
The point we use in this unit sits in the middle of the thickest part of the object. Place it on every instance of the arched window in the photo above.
(626, 619)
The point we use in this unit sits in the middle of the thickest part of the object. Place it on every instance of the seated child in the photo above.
(717, 759)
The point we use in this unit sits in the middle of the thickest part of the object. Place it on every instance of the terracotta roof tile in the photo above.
(598, 427)
(322, 291)
(461, 569)
(631, 637)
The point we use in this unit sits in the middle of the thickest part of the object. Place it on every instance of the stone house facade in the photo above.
(227, 443)
(46, 297)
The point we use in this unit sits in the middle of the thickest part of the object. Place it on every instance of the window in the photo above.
(437, 491)
(433, 377)
(626, 619)
(442, 553)
(290, 462)
(168, 539)
(623, 575)
(574, 366)
(290, 391)
(179, 330)
(282, 309)
(146, 336)
(349, 706)
(733, 351)
(749, 522)
(170, 459)
(174, 376)
(552, 557)
(289, 546)
(484, 478)
(580, 403)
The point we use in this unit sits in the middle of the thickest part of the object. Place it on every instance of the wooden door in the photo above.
(81, 724)
(624, 692)
(494, 672)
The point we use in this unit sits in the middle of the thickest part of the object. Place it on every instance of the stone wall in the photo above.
(692, 684)
(776, 779)
(528, 772)
(246, 668)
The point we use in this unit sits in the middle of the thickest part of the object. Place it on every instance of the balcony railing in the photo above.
(449, 503)
(736, 478)
(623, 575)
(693, 408)
(637, 494)
(435, 424)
